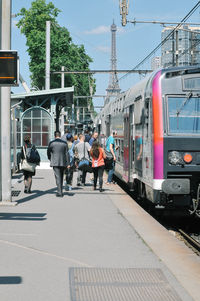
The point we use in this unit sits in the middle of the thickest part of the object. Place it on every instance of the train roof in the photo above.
(143, 87)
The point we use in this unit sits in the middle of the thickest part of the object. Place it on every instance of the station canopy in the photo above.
(62, 97)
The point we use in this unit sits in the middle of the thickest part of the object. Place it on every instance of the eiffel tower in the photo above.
(113, 86)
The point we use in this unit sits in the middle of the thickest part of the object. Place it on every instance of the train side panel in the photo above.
(158, 124)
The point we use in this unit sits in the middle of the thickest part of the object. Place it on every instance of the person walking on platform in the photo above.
(82, 151)
(93, 138)
(87, 136)
(69, 171)
(76, 139)
(111, 148)
(98, 155)
(64, 136)
(58, 155)
(28, 147)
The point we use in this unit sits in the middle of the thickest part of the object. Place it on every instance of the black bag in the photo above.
(109, 155)
(108, 164)
(32, 155)
(85, 165)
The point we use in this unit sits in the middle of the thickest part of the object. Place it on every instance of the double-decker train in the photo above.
(158, 134)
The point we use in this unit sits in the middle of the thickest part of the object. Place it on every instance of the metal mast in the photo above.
(113, 86)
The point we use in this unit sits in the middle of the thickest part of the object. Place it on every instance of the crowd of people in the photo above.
(82, 153)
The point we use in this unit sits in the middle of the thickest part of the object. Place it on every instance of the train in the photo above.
(158, 138)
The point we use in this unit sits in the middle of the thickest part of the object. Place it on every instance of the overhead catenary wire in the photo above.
(191, 12)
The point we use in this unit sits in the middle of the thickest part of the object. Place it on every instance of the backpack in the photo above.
(32, 155)
(71, 155)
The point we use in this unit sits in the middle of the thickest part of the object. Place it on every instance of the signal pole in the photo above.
(5, 106)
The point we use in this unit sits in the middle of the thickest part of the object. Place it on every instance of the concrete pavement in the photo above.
(43, 236)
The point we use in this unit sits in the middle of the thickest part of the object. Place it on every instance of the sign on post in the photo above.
(9, 68)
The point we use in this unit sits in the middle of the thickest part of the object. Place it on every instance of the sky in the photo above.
(89, 21)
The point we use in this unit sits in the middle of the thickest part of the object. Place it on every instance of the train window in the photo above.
(138, 106)
(183, 115)
(191, 83)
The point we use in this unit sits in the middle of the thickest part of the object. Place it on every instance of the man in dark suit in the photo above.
(58, 155)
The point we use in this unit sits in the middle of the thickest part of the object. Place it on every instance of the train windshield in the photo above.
(184, 115)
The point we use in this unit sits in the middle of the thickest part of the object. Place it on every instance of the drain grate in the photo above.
(15, 192)
(105, 284)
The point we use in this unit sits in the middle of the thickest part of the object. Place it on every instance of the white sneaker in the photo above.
(70, 188)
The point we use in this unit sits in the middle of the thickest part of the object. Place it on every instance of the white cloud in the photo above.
(104, 49)
(98, 30)
(120, 30)
(102, 29)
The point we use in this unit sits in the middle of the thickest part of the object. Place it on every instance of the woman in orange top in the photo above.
(98, 155)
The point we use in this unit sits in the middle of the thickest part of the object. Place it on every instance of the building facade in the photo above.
(182, 48)
(155, 62)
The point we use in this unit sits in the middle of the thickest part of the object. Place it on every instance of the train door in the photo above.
(126, 145)
(138, 119)
(147, 147)
(131, 143)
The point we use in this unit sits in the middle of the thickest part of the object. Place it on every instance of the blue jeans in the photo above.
(111, 172)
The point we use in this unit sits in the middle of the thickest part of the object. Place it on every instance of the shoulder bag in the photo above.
(27, 166)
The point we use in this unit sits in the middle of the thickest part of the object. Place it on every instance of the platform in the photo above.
(89, 246)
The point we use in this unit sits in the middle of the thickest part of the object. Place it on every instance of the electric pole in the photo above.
(48, 53)
(5, 106)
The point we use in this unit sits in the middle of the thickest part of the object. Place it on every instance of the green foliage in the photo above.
(63, 51)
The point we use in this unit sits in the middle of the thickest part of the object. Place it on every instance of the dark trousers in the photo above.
(69, 175)
(59, 172)
(98, 173)
(111, 172)
(81, 176)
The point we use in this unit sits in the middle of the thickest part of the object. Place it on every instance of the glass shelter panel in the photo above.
(45, 125)
(37, 124)
(27, 125)
(36, 113)
(36, 138)
(45, 139)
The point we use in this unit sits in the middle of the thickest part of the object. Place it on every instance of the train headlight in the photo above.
(187, 158)
(175, 158)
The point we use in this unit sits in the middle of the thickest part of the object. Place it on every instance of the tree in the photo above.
(63, 51)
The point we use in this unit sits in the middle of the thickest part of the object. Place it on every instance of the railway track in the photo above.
(195, 244)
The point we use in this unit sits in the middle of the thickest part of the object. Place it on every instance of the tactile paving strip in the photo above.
(15, 192)
(116, 284)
